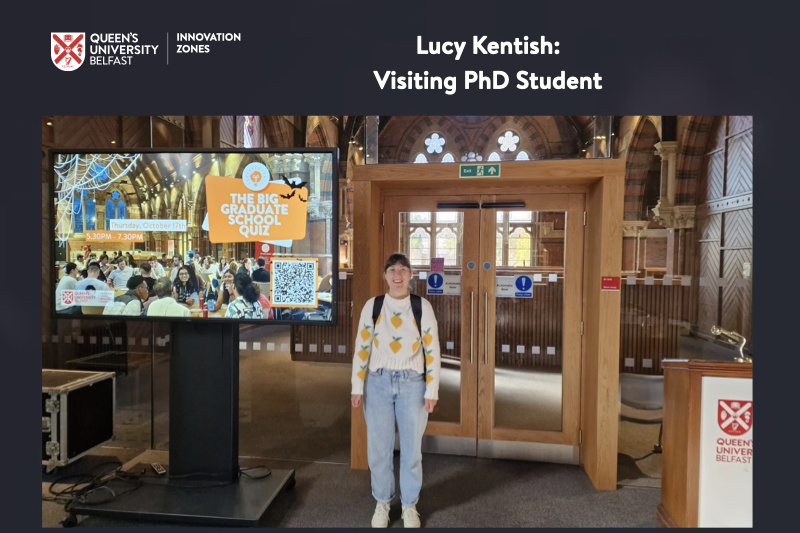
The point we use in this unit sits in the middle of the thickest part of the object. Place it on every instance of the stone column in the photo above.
(678, 218)
(635, 229)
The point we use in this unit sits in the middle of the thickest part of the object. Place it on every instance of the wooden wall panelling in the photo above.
(715, 176)
(737, 292)
(87, 131)
(227, 130)
(135, 132)
(737, 124)
(739, 164)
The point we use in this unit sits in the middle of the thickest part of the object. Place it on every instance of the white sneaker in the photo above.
(410, 516)
(381, 516)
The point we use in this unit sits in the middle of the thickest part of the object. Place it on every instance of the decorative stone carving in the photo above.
(674, 217)
(634, 228)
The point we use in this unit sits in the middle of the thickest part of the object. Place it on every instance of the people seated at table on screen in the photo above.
(146, 271)
(185, 286)
(67, 283)
(210, 267)
(245, 267)
(177, 262)
(120, 276)
(91, 280)
(223, 266)
(130, 303)
(157, 271)
(166, 305)
(245, 296)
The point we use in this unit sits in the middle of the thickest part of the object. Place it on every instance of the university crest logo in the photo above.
(68, 49)
(735, 417)
(67, 297)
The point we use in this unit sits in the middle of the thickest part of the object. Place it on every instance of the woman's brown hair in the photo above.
(397, 258)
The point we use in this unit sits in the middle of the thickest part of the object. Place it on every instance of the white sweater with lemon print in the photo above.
(394, 343)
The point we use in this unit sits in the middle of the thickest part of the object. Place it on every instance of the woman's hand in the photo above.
(355, 400)
(429, 405)
(190, 301)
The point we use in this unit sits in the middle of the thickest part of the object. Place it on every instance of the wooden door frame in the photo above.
(603, 182)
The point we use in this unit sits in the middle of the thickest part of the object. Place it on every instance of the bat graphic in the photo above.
(288, 196)
(295, 186)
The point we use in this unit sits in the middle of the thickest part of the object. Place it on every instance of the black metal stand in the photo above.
(203, 485)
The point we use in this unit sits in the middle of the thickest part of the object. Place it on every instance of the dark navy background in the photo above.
(317, 57)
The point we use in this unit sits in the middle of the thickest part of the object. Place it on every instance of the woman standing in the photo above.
(223, 267)
(403, 364)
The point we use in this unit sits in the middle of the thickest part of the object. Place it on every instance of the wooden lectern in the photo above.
(684, 420)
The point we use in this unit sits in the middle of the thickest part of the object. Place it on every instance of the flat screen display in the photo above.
(247, 235)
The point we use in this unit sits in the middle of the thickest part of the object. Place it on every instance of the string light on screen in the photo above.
(85, 172)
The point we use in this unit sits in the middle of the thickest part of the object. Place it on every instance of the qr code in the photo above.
(294, 283)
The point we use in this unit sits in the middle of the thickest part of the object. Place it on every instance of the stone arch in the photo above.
(412, 141)
(690, 159)
(638, 166)
(532, 137)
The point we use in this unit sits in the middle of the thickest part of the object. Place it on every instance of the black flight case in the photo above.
(77, 414)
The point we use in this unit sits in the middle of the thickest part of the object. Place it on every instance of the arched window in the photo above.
(122, 209)
(494, 156)
(111, 213)
(448, 158)
(519, 248)
(523, 156)
(420, 247)
(91, 215)
(421, 159)
(447, 246)
(77, 214)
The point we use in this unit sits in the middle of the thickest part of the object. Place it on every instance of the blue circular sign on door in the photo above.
(524, 283)
(435, 280)
(471, 265)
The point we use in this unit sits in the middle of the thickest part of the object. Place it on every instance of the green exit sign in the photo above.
(479, 170)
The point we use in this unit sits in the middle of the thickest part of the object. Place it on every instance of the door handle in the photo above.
(486, 328)
(471, 324)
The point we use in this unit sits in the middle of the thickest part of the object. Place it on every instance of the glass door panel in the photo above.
(530, 318)
(529, 314)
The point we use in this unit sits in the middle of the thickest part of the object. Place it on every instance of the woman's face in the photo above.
(228, 280)
(183, 275)
(397, 277)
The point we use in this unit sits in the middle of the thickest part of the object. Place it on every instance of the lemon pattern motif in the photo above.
(400, 346)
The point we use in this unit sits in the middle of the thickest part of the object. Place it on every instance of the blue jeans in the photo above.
(389, 397)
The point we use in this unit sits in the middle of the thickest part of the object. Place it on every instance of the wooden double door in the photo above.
(504, 276)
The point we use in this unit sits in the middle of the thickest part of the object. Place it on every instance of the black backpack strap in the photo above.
(376, 309)
(416, 308)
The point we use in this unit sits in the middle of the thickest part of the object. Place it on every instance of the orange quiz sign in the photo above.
(114, 236)
(255, 209)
